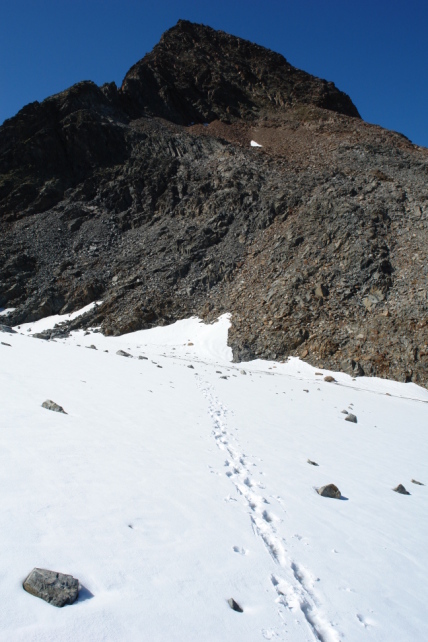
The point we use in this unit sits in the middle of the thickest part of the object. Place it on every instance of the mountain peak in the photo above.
(198, 74)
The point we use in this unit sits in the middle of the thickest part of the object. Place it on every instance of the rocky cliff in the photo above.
(150, 197)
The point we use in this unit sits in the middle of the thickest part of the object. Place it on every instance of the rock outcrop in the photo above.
(150, 197)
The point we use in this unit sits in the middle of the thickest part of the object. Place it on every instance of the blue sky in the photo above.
(375, 51)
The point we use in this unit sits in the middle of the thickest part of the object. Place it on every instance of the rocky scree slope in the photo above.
(150, 198)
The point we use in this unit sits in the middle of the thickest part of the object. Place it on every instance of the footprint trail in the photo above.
(293, 584)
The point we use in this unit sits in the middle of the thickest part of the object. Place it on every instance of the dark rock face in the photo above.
(220, 77)
(317, 243)
(56, 588)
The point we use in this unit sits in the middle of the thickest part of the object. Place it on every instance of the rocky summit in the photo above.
(151, 198)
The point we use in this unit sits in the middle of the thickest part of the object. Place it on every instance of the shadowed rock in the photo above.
(400, 489)
(414, 481)
(51, 405)
(234, 605)
(122, 353)
(329, 379)
(56, 588)
(313, 463)
(6, 328)
(352, 418)
(330, 490)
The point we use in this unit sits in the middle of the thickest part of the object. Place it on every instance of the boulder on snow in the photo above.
(122, 353)
(234, 605)
(330, 490)
(313, 463)
(414, 481)
(330, 379)
(351, 417)
(56, 588)
(51, 405)
(6, 328)
(400, 489)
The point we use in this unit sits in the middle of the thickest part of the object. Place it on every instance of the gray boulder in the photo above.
(351, 418)
(414, 481)
(56, 588)
(312, 463)
(51, 405)
(122, 353)
(400, 489)
(329, 491)
(234, 605)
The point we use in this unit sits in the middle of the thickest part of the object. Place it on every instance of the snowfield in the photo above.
(178, 481)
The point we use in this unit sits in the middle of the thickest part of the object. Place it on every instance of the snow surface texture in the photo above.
(168, 489)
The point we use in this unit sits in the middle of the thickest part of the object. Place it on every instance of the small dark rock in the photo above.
(234, 605)
(191, 367)
(329, 379)
(417, 482)
(223, 377)
(92, 347)
(321, 291)
(312, 463)
(141, 357)
(6, 344)
(329, 491)
(122, 353)
(51, 405)
(345, 412)
(400, 489)
(55, 588)
(351, 418)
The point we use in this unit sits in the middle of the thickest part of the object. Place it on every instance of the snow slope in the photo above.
(168, 489)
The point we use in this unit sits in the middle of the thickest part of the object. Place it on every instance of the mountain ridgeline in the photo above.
(150, 198)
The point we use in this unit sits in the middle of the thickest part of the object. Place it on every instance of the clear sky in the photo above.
(376, 51)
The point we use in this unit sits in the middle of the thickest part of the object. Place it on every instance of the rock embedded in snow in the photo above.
(234, 605)
(414, 481)
(243, 372)
(351, 417)
(145, 358)
(400, 489)
(313, 463)
(6, 328)
(6, 344)
(57, 589)
(330, 490)
(92, 347)
(122, 353)
(51, 405)
(329, 379)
